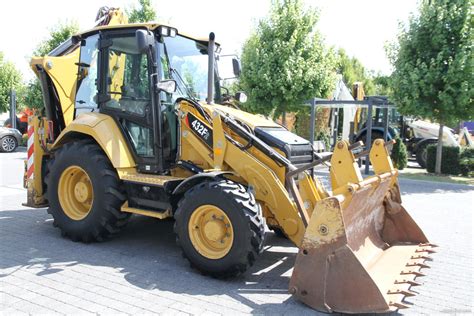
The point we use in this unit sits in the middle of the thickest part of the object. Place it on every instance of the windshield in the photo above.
(185, 61)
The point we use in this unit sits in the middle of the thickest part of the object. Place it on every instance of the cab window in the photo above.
(128, 92)
(86, 94)
(128, 81)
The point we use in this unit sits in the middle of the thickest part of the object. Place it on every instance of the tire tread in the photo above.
(252, 214)
(111, 219)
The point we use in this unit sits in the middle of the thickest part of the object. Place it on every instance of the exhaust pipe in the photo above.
(210, 73)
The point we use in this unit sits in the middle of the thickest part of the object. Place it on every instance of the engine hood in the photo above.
(252, 120)
(297, 149)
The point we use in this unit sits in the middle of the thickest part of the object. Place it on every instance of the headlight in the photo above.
(167, 31)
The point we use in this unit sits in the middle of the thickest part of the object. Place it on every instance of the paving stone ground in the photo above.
(141, 271)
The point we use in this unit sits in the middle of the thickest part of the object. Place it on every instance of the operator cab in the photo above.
(141, 76)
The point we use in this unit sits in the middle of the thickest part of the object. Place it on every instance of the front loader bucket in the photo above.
(361, 252)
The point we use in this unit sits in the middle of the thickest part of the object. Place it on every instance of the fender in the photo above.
(198, 178)
(103, 129)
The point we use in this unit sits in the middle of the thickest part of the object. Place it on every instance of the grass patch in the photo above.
(435, 178)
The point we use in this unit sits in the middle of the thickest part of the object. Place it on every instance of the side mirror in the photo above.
(145, 40)
(168, 86)
(241, 97)
(236, 67)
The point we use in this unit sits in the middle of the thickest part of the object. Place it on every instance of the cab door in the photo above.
(126, 95)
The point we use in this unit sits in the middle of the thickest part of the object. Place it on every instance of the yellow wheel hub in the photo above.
(210, 231)
(75, 193)
(81, 191)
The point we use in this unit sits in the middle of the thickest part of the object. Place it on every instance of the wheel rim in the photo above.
(8, 143)
(211, 232)
(75, 193)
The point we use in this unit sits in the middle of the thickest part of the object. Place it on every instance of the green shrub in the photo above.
(450, 160)
(466, 161)
(399, 154)
(324, 138)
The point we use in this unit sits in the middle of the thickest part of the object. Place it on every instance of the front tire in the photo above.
(84, 193)
(220, 228)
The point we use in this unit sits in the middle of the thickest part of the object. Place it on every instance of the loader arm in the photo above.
(226, 153)
(359, 249)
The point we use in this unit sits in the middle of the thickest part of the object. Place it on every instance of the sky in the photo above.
(362, 27)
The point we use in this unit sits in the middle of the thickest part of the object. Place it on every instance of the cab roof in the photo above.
(149, 25)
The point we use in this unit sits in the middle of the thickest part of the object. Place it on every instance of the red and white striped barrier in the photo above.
(30, 165)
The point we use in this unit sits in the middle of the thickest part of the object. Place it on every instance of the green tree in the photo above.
(59, 34)
(31, 95)
(144, 12)
(434, 65)
(285, 62)
(382, 85)
(10, 78)
(352, 71)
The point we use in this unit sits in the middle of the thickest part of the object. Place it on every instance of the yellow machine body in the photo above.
(359, 250)
(105, 132)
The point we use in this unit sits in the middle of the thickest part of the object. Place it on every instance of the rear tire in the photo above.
(240, 213)
(99, 215)
(422, 154)
(375, 135)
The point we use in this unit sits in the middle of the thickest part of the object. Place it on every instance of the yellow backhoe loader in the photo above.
(132, 125)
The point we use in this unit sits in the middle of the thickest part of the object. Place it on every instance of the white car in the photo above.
(9, 139)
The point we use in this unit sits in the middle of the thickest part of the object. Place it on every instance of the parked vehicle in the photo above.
(9, 139)
(417, 134)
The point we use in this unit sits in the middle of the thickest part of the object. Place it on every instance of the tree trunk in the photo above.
(439, 150)
(283, 118)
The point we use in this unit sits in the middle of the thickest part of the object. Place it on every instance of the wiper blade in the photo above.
(180, 81)
(84, 65)
(183, 84)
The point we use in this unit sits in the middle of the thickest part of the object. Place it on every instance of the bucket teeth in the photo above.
(425, 250)
(417, 273)
(427, 258)
(398, 305)
(404, 292)
(428, 245)
(411, 282)
(417, 264)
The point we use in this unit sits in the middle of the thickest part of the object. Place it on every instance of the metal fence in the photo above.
(370, 102)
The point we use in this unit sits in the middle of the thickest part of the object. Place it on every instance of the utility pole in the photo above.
(13, 108)
(368, 137)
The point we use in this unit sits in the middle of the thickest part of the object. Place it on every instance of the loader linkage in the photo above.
(361, 251)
